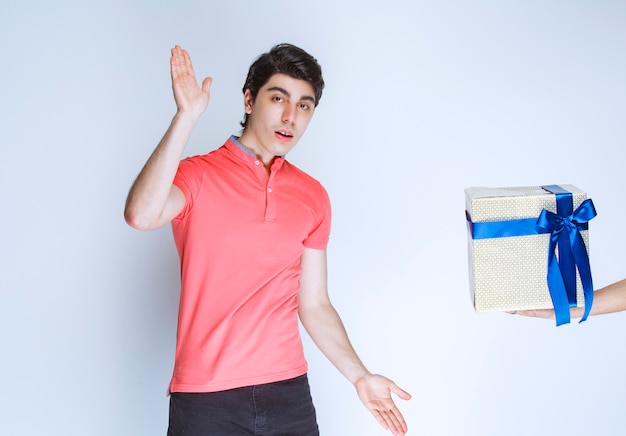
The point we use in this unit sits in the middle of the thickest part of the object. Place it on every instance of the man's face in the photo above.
(278, 116)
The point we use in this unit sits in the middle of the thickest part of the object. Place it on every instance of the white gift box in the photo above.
(509, 272)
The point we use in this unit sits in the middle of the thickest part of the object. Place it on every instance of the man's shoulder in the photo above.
(305, 180)
(296, 171)
(206, 158)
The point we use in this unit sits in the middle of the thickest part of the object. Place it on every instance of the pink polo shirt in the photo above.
(240, 237)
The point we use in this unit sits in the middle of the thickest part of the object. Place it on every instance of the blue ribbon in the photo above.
(565, 231)
(564, 227)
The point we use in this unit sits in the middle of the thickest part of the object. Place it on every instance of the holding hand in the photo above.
(539, 313)
(190, 98)
(611, 298)
(375, 392)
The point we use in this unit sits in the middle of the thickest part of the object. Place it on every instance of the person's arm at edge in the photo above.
(153, 200)
(609, 299)
(323, 324)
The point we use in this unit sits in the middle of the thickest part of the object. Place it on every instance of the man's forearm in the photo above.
(148, 197)
(326, 329)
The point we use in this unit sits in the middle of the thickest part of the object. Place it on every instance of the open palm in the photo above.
(190, 98)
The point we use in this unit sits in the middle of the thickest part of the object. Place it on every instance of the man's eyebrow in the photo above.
(284, 91)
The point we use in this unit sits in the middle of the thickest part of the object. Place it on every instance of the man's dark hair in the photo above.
(286, 59)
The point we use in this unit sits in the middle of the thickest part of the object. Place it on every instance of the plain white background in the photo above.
(423, 99)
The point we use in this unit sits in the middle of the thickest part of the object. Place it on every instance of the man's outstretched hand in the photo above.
(375, 392)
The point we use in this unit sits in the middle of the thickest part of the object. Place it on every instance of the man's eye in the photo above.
(304, 106)
(278, 98)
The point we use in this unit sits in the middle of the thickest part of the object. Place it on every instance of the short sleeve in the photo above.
(320, 234)
(188, 179)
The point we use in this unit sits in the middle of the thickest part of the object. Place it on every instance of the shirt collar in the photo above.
(235, 140)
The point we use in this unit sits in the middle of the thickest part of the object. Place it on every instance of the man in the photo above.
(251, 231)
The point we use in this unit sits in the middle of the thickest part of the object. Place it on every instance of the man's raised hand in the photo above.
(190, 99)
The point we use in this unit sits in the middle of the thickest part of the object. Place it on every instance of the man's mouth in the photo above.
(285, 133)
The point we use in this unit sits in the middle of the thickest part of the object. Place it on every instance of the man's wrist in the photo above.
(186, 118)
(360, 376)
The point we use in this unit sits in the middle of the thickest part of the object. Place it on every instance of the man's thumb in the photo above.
(206, 84)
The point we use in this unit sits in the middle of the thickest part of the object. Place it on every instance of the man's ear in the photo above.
(248, 100)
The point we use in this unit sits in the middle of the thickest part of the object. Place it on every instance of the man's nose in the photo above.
(289, 114)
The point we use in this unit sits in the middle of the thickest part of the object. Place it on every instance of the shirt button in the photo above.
(269, 190)
(257, 163)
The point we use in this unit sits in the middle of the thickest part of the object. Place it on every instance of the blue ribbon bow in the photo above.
(565, 233)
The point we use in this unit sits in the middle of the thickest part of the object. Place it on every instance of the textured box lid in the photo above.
(502, 204)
